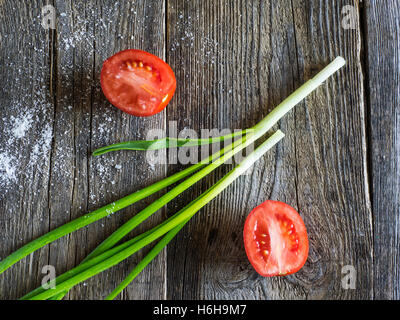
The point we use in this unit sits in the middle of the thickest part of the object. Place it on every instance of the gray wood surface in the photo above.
(234, 61)
(259, 52)
(25, 95)
(62, 69)
(383, 35)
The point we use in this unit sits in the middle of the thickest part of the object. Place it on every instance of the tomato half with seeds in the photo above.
(137, 82)
(275, 239)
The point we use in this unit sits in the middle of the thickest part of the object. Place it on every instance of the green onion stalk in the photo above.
(176, 222)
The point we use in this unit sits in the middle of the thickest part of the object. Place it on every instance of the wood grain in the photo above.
(332, 185)
(234, 61)
(25, 57)
(86, 34)
(89, 33)
(226, 75)
(260, 52)
(383, 44)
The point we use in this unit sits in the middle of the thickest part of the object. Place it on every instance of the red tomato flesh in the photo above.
(137, 82)
(275, 239)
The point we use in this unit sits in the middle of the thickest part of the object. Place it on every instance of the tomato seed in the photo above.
(262, 242)
(288, 228)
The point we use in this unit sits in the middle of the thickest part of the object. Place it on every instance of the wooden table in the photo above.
(234, 61)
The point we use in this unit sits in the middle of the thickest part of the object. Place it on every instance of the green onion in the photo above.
(184, 215)
(165, 143)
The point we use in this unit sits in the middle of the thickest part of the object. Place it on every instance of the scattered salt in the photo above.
(7, 169)
(187, 35)
(19, 157)
(21, 125)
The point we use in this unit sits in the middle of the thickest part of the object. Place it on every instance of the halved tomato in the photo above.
(137, 82)
(275, 239)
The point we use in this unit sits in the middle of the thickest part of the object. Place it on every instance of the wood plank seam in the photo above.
(364, 64)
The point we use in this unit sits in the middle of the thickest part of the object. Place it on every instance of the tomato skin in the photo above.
(275, 239)
(137, 82)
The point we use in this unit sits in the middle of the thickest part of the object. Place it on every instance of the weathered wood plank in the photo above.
(64, 72)
(88, 33)
(26, 126)
(383, 35)
(243, 55)
(332, 184)
(247, 57)
(234, 61)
